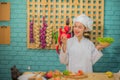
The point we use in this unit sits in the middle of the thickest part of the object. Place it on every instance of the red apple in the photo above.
(80, 72)
(49, 74)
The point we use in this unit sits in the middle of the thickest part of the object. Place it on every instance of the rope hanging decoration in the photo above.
(56, 12)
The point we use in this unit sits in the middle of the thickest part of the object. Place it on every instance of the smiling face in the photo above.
(78, 29)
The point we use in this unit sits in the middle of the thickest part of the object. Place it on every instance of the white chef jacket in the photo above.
(79, 55)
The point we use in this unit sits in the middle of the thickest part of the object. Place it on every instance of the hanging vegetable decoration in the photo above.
(43, 34)
(31, 31)
(55, 36)
(49, 36)
(63, 32)
(36, 35)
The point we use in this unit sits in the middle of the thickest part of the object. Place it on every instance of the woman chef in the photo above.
(78, 52)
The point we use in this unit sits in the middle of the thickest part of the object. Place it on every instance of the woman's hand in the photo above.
(101, 46)
(64, 42)
(64, 39)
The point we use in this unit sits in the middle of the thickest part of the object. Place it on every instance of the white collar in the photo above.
(75, 38)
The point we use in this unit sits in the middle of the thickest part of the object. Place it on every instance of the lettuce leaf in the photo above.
(105, 39)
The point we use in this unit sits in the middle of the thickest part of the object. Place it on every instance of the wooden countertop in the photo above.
(90, 76)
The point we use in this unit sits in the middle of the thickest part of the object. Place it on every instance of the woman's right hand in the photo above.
(64, 42)
(64, 39)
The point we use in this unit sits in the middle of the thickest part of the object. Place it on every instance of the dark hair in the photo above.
(87, 34)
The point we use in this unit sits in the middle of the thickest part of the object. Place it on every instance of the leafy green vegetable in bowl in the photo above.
(105, 39)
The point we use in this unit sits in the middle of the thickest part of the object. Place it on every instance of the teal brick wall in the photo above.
(43, 60)
(111, 61)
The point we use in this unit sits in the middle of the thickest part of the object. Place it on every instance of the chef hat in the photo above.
(85, 20)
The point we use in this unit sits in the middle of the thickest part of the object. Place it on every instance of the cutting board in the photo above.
(4, 35)
(4, 11)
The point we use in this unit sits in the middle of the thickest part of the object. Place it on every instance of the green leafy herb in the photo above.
(55, 36)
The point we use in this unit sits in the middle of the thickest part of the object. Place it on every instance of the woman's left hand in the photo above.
(100, 46)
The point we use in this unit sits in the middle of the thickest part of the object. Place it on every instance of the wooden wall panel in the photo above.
(57, 11)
